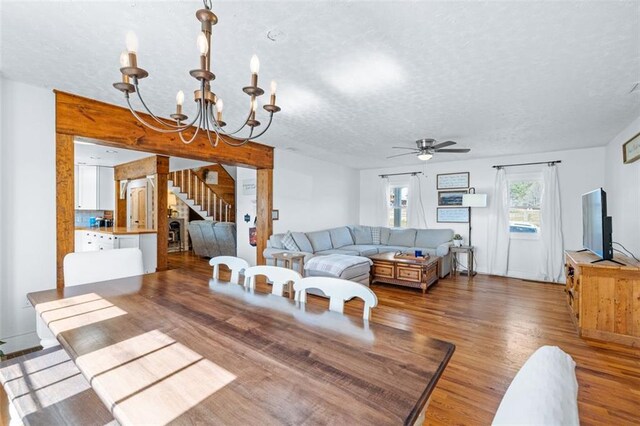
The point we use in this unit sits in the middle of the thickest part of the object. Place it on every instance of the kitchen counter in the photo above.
(118, 230)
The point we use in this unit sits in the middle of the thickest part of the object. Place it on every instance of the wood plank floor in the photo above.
(496, 324)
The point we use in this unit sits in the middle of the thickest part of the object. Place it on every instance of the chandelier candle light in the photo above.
(209, 106)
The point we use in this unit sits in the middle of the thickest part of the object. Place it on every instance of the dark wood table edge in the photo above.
(417, 409)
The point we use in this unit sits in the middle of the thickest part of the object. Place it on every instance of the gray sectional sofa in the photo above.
(359, 241)
(210, 238)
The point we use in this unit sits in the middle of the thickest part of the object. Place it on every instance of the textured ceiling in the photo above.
(88, 152)
(356, 78)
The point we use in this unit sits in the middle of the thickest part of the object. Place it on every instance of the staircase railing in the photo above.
(203, 196)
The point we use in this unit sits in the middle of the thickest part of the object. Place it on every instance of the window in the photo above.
(398, 206)
(524, 206)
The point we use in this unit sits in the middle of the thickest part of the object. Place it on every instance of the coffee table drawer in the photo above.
(408, 273)
(385, 271)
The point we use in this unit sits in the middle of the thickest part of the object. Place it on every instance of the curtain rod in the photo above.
(400, 174)
(548, 163)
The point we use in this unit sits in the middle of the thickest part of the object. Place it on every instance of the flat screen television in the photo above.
(596, 225)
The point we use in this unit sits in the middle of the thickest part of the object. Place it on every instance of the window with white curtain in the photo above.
(525, 192)
(398, 205)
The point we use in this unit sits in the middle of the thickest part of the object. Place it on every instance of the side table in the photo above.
(469, 250)
(288, 259)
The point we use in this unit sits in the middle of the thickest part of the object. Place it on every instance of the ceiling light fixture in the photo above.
(425, 156)
(209, 106)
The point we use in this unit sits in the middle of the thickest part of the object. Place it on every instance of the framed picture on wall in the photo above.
(450, 198)
(631, 150)
(453, 215)
(453, 180)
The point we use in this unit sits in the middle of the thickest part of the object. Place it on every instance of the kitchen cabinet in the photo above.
(90, 240)
(87, 188)
(94, 188)
(106, 188)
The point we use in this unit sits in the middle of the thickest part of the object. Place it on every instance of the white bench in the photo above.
(544, 391)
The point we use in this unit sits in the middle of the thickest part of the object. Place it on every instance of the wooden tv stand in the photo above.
(604, 297)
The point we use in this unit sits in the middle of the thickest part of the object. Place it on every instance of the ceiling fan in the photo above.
(426, 148)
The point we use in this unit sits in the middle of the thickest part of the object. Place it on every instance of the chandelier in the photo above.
(209, 107)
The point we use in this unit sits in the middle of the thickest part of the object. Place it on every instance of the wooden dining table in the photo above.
(179, 347)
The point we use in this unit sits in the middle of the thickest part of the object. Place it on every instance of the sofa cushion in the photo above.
(302, 241)
(320, 240)
(362, 234)
(289, 243)
(363, 249)
(433, 237)
(402, 237)
(340, 237)
(387, 249)
(375, 235)
(384, 235)
(275, 241)
(338, 251)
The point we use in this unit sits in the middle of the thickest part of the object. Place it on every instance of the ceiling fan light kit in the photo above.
(427, 148)
(209, 106)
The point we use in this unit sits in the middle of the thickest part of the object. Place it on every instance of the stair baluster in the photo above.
(204, 199)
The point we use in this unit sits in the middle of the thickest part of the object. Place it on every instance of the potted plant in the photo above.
(2, 356)
(457, 240)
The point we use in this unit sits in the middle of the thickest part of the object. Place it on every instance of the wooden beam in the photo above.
(137, 169)
(65, 202)
(162, 219)
(264, 197)
(120, 216)
(117, 127)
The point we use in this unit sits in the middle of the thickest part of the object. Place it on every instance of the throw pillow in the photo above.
(375, 234)
(289, 243)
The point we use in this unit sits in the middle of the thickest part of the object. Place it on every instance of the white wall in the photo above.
(28, 205)
(245, 204)
(622, 183)
(310, 195)
(580, 171)
(313, 194)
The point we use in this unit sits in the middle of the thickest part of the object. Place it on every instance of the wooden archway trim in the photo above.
(114, 126)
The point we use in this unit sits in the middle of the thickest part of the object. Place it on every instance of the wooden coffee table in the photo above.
(407, 272)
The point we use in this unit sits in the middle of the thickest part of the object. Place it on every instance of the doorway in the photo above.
(137, 207)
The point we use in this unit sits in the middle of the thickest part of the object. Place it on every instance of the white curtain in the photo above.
(381, 211)
(415, 208)
(551, 265)
(498, 230)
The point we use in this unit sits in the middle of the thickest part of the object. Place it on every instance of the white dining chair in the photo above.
(279, 277)
(338, 291)
(236, 265)
(94, 266)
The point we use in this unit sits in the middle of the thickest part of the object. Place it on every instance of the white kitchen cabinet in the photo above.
(95, 188)
(106, 188)
(88, 240)
(127, 241)
(87, 188)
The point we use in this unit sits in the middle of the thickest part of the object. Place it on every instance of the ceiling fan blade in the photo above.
(444, 144)
(400, 155)
(460, 150)
(404, 147)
